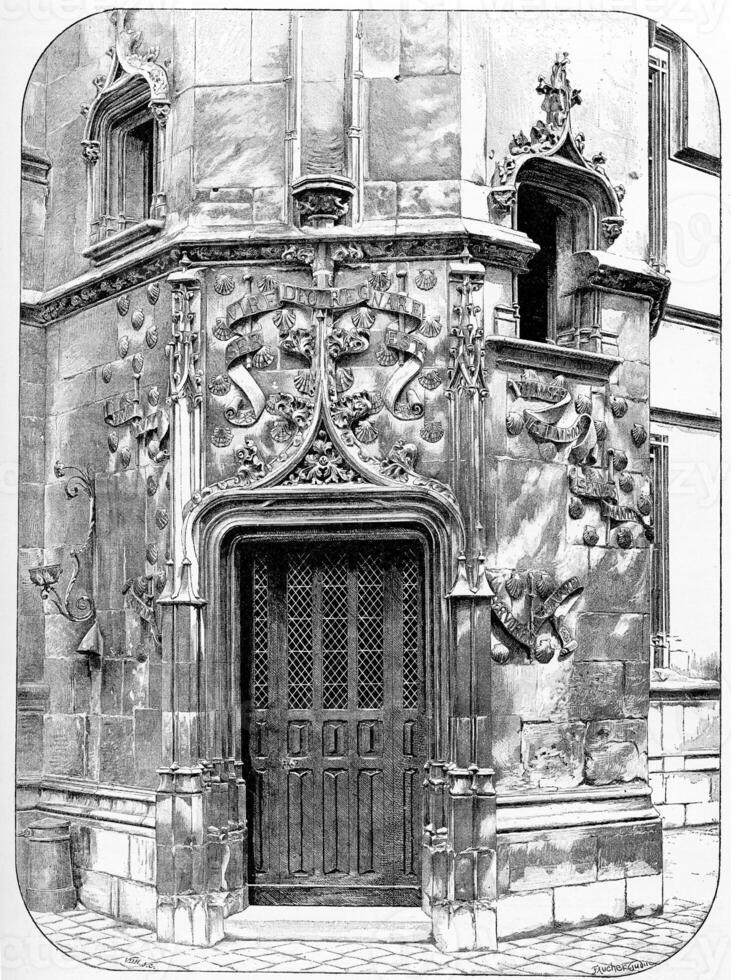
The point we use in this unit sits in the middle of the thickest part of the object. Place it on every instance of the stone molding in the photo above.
(512, 352)
(592, 269)
(34, 166)
(530, 813)
(503, 250)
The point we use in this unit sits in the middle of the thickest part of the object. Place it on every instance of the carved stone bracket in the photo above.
(322, 201)
(46, 576)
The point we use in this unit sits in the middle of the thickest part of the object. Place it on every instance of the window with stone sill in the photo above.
(125, 164)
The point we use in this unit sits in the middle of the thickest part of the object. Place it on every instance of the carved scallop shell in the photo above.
(618, 406)
(153, 396)
(639, 434)
(380, 280)
(432, 431)
(152, 486)
(153, 293)
(590, 536)
(151, 336)
(221, 436)
(162, 518)
(281, 431)
(263, 357)
(644, 504)
(650, 534)
(376, 401)
(626, 483)
(583, 405)
(515, 585)
(543, 584)
(123, 305)
(620, 460)
(221, 330)
(601, 431)
(123, 346)
(220, 385)
(266, 284)
(138, 362)
(113, 442)
(366, 432)
(547, 451)
(107, 373)
(431, 327)
(138, 318)
(124, 457)
(430, 380)
(425, 279)
(385, 356)
(152, 554)
(224, 284)
(543, 652)
(500, 653)
(624, 537)
(576, 508)
(344, 378)
(304, 382)
(514, 423)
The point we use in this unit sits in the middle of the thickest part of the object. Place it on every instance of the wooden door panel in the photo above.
(335, 741)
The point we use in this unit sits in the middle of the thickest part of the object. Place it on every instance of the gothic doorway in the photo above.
(334, 738)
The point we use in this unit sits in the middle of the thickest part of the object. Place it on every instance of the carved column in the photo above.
(199, 825)
(460, 838)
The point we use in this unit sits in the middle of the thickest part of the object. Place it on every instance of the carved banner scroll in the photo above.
(239, 352)
(541, 423)
(255, 304)
(412, 350)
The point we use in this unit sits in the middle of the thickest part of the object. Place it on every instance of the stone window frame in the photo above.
(669, 47)
(124, 106)
(660, 590)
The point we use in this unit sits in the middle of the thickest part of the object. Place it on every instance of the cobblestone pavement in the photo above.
(617, 948)
(100, 941)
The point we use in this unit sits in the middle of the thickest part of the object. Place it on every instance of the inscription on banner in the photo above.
(324, 299)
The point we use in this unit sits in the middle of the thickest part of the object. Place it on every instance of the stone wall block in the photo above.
(142, 859)
(624, 853)
(636, 701)
(701, 726)
(58, 675)
(98, 892)
(379, 199)
(116, 751)
(597, 690)
(400, 112)
(269, 45)
(217, 63)
(380, 44)
(239, 136)
(109, 852)
(137, 903)
(688, 787)
(524, 915)
(427, 198)
(147, 745)
(63, 745)
(424, 42)
(601, 901)
(616, 751)
(629, 573)
(644, 895)
(568, 857)
(552, 754)
(611, 636)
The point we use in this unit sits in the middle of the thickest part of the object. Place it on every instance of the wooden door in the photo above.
(333, 640)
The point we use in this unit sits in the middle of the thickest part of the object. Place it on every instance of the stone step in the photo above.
(368, 924)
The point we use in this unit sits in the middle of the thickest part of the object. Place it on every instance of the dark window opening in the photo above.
(539, 219)
(138, 172)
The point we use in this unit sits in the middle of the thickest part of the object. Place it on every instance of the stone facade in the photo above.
(317, 318)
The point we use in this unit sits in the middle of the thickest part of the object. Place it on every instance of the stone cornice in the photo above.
(34, 165)
(617, 274)
(512, 352)
(509, 251)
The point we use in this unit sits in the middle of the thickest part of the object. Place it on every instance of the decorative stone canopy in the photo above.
(553, 141)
